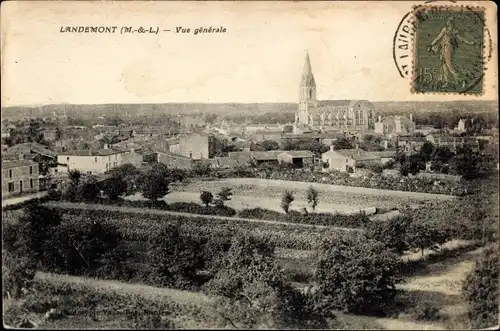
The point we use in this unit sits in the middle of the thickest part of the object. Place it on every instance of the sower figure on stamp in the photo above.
(445, 45)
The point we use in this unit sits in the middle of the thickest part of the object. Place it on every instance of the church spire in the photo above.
(307, 75)
(307, 66)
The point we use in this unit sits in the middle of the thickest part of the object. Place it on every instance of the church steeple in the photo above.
(307, 82)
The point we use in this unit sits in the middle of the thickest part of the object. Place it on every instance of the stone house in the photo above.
(347, 160)
(18, 177)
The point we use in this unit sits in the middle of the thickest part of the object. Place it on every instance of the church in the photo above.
(323, 115)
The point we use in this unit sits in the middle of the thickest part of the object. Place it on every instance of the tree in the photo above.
(356, 274)
(113, 188)
(127, 173)
(251, 287)
(175, 257)
(422, 235)
(343, 143)
(426, 151)
(154, 183)
(202, 170)
(224, 195)
(270, 145)
(392, 233)
(75, 176)
(481, 290)
(28, 245)
(89, 191)
(206, 197)
(286, 200)
(312, 197)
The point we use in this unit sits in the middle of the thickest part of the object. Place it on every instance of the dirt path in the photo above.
(148, 292)
(21, 199)
(145, 211)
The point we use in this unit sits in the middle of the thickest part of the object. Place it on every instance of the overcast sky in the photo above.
(259, 59)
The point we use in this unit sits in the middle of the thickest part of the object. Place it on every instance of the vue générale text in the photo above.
(130, 29)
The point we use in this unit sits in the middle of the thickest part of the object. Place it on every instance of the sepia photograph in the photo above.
(250, 165)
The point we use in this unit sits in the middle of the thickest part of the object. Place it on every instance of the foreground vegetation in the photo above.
(234, 264)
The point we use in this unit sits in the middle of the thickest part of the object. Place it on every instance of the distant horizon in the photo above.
(233, 102)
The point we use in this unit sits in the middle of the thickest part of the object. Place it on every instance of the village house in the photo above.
(96, 161)
(348, 160)
(299, 159)
(174, 161)
(409, 143)
(194, 145)
(18, 177)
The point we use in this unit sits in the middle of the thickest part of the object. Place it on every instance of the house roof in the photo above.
(356, 154)
(240, 156)
(384, 154)
(28, 145)
(17, 163)
(92, 152)
(264, 156)
(299, 154)
(344, 103)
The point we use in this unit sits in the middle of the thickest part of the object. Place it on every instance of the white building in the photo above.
(398, 124)
(460, 126)
(96, 161)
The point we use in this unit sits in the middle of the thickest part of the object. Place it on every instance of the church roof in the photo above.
(345, 103)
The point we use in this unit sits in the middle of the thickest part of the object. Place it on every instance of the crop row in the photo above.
(143, 228)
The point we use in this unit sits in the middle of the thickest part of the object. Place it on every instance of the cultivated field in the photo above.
(266, 193)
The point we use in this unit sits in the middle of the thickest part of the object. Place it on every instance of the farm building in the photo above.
(299, 159)
(270, 157)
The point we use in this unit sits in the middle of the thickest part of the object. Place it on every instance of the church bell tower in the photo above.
(307, 92)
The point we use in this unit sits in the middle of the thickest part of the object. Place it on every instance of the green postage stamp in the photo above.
(448, 50)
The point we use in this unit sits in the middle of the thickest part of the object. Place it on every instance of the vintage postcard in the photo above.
(250, 164)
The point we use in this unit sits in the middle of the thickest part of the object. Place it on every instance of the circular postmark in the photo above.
(443, 48)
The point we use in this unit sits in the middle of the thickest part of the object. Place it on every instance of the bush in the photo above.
(426, 312)
(251, 287)
(392, 233)
(206, 198)
(260, 213)
(356, 274)
(481, 290)
(174, 257)
(78, 246)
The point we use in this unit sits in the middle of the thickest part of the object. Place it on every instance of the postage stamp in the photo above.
(448, 50)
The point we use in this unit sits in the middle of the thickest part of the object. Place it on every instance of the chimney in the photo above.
(332, 148)
(411, 117)
(379, 118)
